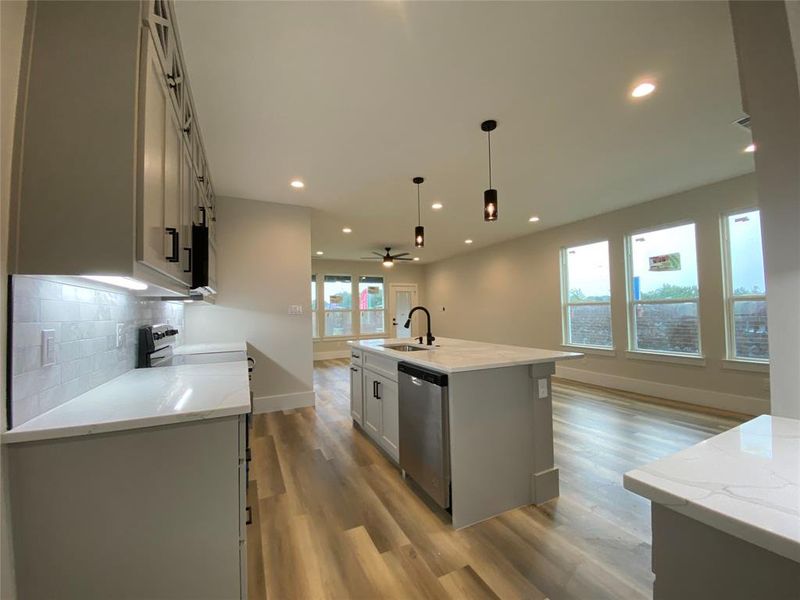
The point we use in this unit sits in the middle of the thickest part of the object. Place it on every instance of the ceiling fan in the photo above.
(388, 258)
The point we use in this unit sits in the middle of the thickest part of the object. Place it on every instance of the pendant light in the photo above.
(490, 195)
(419, 230)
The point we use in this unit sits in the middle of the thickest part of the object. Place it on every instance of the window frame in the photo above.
(631, 303)
(315, 279)
(321, 306)
(565, 303)
(358, 309)
(728, 297)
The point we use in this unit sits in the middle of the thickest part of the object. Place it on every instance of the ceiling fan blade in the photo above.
(401, 254)
(403, 258)
(369, 258)
(377, 254)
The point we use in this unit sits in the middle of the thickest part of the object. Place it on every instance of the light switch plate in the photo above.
(48, 347)
(295, 309)
(542, 388)
(120, 334)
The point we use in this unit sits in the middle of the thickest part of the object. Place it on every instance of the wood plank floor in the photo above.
(333, 519)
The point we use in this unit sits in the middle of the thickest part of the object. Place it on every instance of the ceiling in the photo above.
(357, 98)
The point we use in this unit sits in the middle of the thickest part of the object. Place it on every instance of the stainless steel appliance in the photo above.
(425, 430)
(155, 350)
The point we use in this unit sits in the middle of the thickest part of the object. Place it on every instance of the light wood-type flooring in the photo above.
(332, 517)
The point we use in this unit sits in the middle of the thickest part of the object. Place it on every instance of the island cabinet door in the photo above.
(357, 394)
(373, 405)
(390, 417)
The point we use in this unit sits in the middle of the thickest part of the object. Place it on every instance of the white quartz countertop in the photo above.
(452, 356)
(743, 482)
(147, 398)
(210, 348)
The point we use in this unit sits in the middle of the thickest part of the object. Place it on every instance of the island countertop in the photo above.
(450, 355)
(743, 482)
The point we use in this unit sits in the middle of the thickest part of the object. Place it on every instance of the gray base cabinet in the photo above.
(148, 513)
(374, 399)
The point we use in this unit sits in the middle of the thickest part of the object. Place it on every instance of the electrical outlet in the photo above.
(542, 388)
(48, 347)
(120, 334)
(295, 309)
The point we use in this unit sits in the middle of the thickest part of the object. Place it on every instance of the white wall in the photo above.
(768, 74)
(510, 293)
(12, 24)
(263, 267)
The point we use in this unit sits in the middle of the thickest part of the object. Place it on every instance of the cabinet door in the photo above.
(159, 213)
(373, 408)
(212, 267)
(390, 413)
(356, 395)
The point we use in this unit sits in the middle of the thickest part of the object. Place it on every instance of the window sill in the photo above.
(677, 359)
(597, 350)
(738, 364)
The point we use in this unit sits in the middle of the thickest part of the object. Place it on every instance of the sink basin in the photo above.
(404, 347)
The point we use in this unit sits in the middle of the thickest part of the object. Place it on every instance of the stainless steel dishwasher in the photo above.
(425, 430)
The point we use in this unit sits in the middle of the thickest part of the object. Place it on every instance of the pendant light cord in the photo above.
(489, 138)
(419, 210)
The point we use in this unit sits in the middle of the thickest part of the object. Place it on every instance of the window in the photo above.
(586, 295)
(370, 305)
(314, 330)
(745, 289)
(338, 296)
(663, 291)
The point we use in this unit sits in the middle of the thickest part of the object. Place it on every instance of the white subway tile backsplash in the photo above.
(85, 324)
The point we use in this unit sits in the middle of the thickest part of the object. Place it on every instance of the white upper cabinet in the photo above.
(112, 169)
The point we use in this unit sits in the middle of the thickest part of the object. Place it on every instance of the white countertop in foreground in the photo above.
(743, 482)
(451, 356)
(147, 398)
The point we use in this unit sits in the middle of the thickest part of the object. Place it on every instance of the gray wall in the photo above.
(398, 274)
(263, 267)
(12, 24)
(510, 293)
(768, 73)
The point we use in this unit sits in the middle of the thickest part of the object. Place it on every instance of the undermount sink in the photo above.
(404, 347)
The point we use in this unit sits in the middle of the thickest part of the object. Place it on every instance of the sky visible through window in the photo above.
(587, 272)
(681, 280)
(747, 257)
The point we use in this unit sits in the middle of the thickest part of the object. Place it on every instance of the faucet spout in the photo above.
(429, 336)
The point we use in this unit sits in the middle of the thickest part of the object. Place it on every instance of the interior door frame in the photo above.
(392, 288)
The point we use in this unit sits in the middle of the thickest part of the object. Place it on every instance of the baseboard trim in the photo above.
(748, 405)
(266, 404)
(331, 354)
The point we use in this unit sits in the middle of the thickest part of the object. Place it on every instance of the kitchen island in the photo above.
(726, 514)
(499, 412)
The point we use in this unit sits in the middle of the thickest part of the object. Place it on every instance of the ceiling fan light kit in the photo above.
(419, 230)
(490, 195)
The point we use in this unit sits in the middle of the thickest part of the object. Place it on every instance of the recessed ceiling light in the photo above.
(320, 253)
(643, 89)
(347, 230)
(437, 206)
(296, 183)
(534, 219)
(467, 241)
(750, 148)
(416, 258)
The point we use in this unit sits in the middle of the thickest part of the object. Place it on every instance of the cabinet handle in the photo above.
(203, 214)
(378, 390)
(354, 370)
(175, 245)
(249, 516)
(374, 389)
(189, 259)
